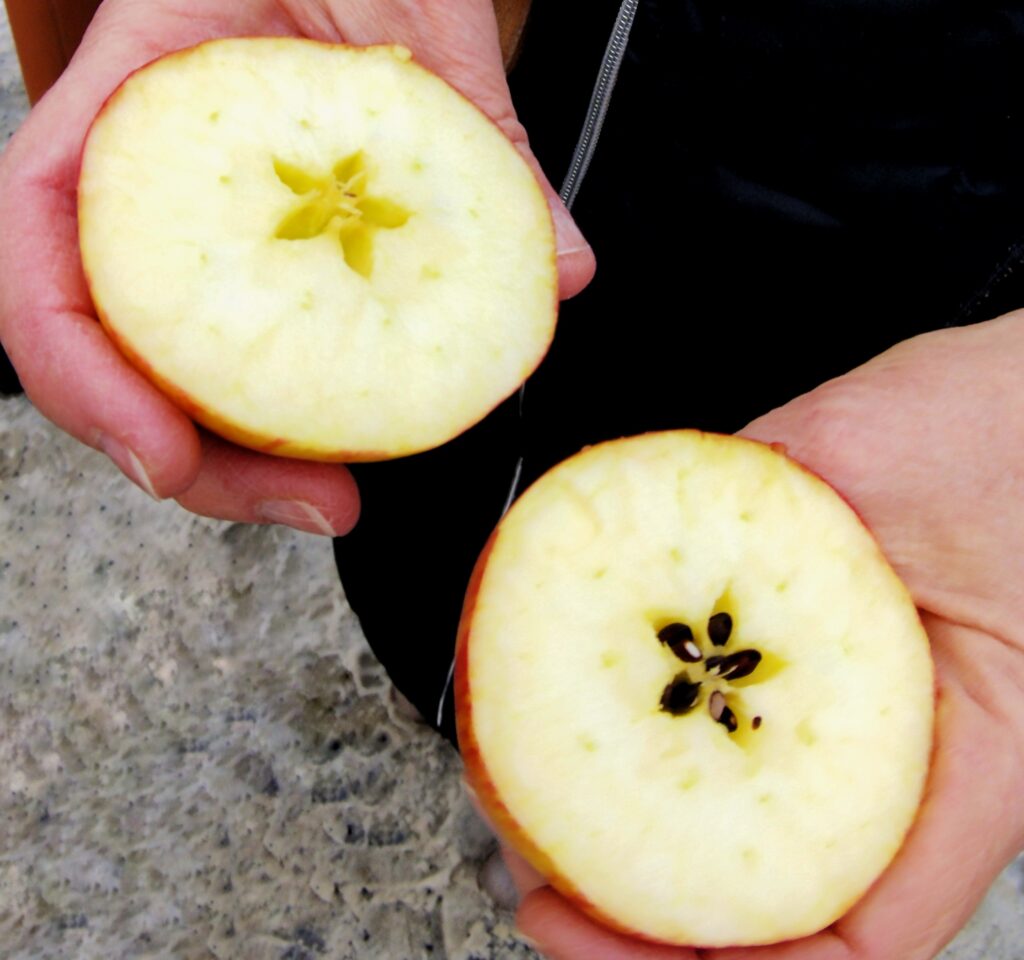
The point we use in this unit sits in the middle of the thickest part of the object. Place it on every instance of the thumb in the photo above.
(460, 43)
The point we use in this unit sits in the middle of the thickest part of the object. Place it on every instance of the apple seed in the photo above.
(716, 704)
(680, 696)
(739, 665)
(719, 629)
(714, 664)
(679, 639)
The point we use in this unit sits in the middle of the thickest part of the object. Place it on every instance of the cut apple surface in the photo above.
(693, 693)
(319, 251)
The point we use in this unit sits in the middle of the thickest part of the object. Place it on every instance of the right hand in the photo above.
(70, 370)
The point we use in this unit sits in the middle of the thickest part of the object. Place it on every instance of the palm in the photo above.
(68, 367)
(924, 442)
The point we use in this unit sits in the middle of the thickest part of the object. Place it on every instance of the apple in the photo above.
(692, 692)
(316, 250)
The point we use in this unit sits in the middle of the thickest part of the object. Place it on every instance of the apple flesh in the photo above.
(692, 691)
(318, 251)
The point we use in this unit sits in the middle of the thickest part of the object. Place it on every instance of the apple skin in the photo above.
(238, 433)
(481, 783)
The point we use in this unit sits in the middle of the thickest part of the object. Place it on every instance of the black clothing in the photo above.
(781, 192)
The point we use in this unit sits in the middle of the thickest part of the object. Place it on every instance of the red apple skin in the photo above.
(234, 432)
(476, 774)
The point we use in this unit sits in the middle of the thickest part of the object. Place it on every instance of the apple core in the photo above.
(339, 200)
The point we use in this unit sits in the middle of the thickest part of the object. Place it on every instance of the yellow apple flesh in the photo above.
(318, 251)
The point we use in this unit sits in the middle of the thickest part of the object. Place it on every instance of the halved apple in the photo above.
(319, 251)
(693, 693)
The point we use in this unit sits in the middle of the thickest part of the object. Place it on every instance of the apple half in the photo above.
(318, 251)
(692, 691)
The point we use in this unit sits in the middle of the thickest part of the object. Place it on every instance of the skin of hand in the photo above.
(925, 441)
(71, 371)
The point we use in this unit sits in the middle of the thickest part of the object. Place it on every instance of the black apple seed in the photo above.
(720, 629)
(688, 651)
(714, 664)
(729, 721)
(679, 638)
(740, 665)
(675, 634)
(756, 723)
(680, 696)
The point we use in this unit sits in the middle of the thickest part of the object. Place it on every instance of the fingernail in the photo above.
(570, 238)
(296, 514)
(129, 464)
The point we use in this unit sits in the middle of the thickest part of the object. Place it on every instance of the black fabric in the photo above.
(9, 382)
(781, 192)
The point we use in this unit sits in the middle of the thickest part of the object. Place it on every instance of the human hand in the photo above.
(926, 443)
(71, 371)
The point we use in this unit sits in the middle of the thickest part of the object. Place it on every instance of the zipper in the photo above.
(586, 145)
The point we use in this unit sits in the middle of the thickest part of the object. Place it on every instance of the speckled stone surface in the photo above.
(13, 102)
(201, 758)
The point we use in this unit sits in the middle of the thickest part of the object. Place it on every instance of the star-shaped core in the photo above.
(339, 198)
(720, 670)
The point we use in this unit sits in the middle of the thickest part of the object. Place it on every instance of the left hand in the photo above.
(926, 442)
(72, 372)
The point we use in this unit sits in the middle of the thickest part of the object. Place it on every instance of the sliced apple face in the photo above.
(692, 692)
(319, 251)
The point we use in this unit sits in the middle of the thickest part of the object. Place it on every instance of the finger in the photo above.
(69, 369)
(970, 824)
(561, 932)
(248, 487)
(523, 875)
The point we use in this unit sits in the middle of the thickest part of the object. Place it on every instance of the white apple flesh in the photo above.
(765, 808)
(319, 251)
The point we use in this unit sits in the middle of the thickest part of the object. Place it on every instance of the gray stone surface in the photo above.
(201, 758)
(13, 101)
(200, 755)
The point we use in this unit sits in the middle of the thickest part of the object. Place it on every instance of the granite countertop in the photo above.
(201, 757)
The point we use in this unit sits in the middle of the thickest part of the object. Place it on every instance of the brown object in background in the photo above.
(47, 33)
(512, 16)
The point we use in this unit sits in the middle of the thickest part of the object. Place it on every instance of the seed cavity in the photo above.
(720, 629)
(339, 197)
(680, 696)
(719, 670)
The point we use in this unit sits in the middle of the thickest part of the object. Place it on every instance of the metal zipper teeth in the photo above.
(614, 54)
(607, 76)
(586, 145)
